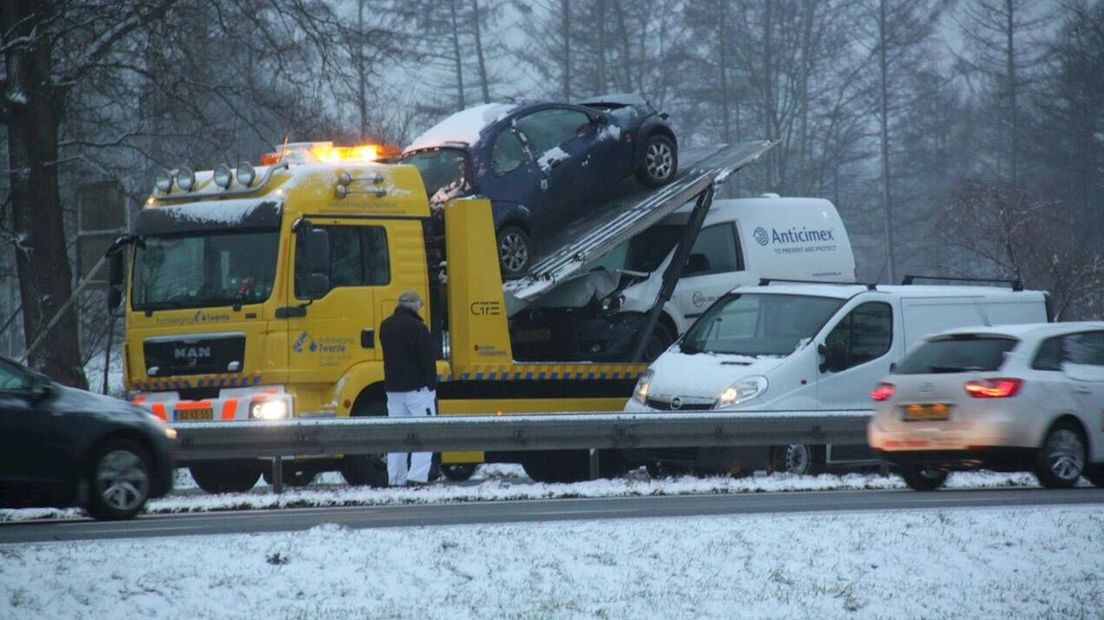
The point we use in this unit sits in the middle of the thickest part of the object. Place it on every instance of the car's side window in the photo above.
(1085, 348)
(547, 129)
(358, 257)
(507, 152)
(1049, 355)
(716, 251)
(865, 334)
(11, 380)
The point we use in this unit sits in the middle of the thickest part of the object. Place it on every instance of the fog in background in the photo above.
(956, 138)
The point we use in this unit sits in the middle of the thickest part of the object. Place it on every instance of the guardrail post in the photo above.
(278, 474)
(593, 464)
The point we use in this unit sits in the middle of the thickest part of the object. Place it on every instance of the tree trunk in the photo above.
(476, 19)
(883, 92)
(460, 103)
(565, 26)
(34, 112)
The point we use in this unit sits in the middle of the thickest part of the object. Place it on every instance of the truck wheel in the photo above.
(658, 161)
(922, 477)
(119, 477)
(798, 459)
(458, 472)
(1061, 460)
(366, 469)
(514, 251)
(557, 465)
(227, 476)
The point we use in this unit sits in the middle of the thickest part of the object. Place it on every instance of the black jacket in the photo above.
(408, 358)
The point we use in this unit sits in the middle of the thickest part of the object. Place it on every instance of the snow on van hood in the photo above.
(703, 376)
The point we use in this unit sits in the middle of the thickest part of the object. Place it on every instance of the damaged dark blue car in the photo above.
(543, 164)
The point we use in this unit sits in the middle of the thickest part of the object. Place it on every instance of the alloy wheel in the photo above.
(1065, 454)
(122, 481)
(513, 252)
(659, 160)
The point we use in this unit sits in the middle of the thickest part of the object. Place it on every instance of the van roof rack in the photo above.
(870, 286)
(1015, 283)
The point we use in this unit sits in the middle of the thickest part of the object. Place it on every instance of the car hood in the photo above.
(703, 375)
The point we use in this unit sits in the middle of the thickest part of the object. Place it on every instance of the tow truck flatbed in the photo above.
(622, 218)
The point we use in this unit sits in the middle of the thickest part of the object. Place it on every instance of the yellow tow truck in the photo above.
(256, 294)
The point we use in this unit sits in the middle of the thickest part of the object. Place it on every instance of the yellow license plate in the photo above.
(191, 415)
(920, 412)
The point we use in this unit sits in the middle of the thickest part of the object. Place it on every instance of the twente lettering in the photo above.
(804, 235)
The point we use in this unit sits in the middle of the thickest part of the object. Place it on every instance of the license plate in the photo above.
(921, 412)
(186, 415)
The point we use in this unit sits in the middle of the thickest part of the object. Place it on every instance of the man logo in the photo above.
(761, 235)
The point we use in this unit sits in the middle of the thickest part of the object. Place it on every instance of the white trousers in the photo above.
(410, 405)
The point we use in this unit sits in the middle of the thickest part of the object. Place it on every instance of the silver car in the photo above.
(1009, 398)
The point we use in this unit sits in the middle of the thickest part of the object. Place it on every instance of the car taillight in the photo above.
(993, 388)
(883, 391)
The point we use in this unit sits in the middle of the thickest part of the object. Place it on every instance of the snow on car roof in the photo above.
(462, 127)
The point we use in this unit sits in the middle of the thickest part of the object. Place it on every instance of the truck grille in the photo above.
(199, 354)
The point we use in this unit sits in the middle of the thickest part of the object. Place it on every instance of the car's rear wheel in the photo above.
(1061, 460)
(119, 478)
(366, 469)
(458, 472)
(514, 251)
(923, 477)
(798, 459)
(236, 476)
(658, 161)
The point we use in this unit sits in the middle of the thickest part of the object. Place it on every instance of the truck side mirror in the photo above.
(116, 268)
(316, 262)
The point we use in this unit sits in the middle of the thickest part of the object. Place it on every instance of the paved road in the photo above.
(540, 510)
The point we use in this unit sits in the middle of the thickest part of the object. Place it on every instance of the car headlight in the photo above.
(640, 392)
(741, 391)
(271, 409)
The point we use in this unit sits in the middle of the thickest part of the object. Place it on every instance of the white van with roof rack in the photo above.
(804, 346)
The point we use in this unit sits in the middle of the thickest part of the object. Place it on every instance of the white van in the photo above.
(783, 347)
(741, 241)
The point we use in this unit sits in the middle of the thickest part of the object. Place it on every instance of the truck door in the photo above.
(716, 266)
(338, 327)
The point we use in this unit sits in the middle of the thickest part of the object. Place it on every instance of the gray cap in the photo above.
(411, 300)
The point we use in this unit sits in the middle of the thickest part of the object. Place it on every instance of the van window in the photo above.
(865, 334)
(715, 251)
(358, 257)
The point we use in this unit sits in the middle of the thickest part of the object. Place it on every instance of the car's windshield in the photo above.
(442, 169)
(759, 324)
(204, 269)
(962, 353)
(644, 252)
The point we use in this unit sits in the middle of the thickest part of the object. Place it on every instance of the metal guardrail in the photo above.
(491, 433)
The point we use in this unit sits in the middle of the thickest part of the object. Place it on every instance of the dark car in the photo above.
(543, 164)
(61, 446)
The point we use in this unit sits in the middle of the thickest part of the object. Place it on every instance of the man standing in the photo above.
(410, 379)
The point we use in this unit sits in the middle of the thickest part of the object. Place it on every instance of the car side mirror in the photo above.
(601, 120)
(831, 358)
(116, 268)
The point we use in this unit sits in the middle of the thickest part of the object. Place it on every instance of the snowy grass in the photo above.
(508, 482)
(993, 563)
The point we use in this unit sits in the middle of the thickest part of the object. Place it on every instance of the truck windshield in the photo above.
(204, 269)
(442, 171)
(644, 252)
(759, 324)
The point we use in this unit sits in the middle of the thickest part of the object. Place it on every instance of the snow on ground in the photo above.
(497, 482)
(995, 563)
